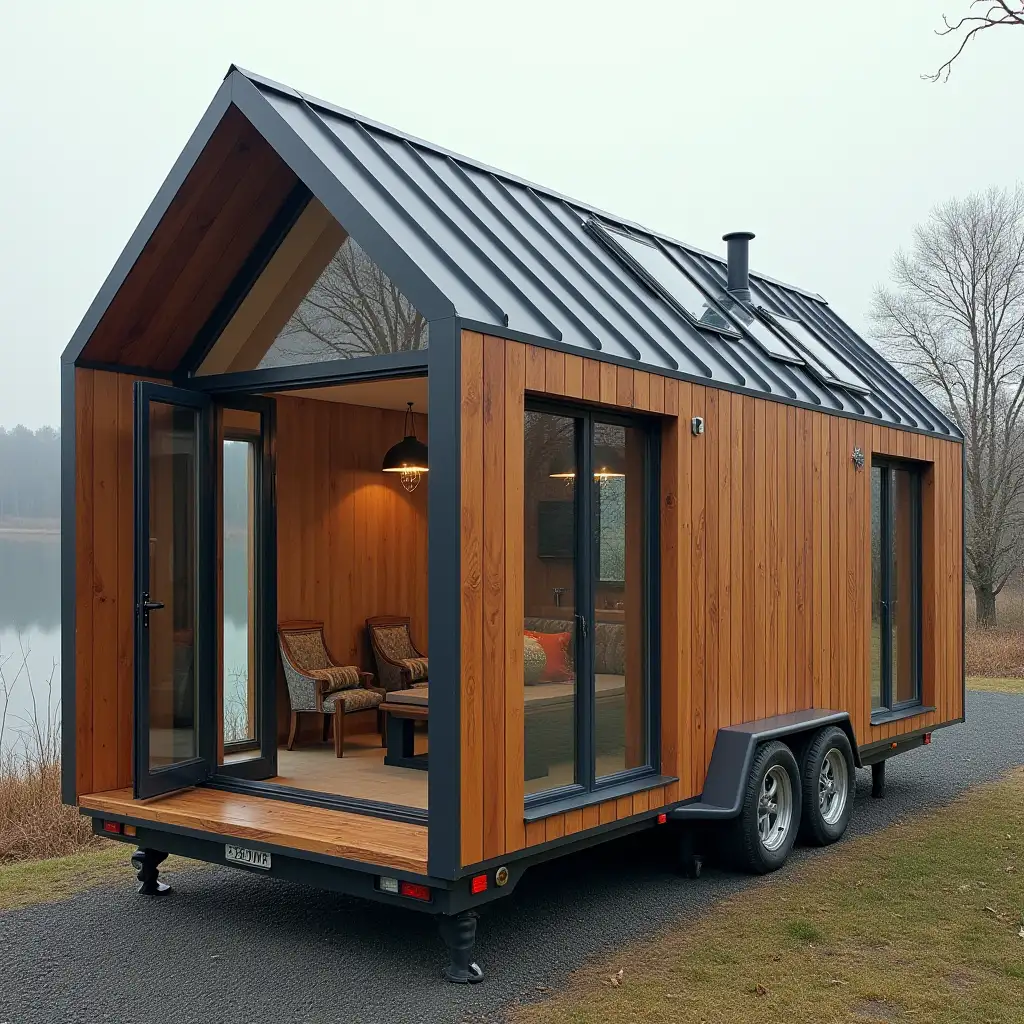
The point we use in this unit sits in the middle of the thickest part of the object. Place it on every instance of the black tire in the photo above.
(817, 827)
(750, 852)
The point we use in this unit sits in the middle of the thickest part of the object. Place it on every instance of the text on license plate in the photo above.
(250, 858)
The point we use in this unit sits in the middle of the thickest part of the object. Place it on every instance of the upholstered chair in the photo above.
(317, 684)
(400, 666)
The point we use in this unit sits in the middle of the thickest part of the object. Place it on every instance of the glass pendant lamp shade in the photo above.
(409, 457)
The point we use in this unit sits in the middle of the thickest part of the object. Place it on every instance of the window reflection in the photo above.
(320, 297)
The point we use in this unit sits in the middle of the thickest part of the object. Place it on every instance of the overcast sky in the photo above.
(806, 122)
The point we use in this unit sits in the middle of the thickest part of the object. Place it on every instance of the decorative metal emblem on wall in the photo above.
(858, 458)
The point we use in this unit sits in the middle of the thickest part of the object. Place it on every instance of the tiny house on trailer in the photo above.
(560, 528)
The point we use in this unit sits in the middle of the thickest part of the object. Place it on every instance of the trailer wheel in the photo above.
(769, 819)
(827, 773)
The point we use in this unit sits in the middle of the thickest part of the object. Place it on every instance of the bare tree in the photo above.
(954, 323)
(354, 309)
(983, 15)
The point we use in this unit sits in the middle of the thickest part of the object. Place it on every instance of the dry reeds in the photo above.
(995, 652)
(33, 821)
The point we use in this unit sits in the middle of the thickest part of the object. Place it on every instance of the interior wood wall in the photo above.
(352, 543)
(765, 561)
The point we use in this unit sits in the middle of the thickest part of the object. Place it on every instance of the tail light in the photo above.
(113, 827)
(414, 891)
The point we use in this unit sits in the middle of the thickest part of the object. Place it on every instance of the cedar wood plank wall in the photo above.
(765, 545)
(351, 508)
(351, 542)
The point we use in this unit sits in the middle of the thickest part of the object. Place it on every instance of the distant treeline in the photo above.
(29, 473)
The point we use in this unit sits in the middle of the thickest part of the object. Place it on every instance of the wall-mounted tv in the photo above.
(555, 536)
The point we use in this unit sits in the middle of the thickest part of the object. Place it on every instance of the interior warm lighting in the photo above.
(409, 457)
(608, 465)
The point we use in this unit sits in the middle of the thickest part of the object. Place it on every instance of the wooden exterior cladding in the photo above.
(337, 516)
(765, 574)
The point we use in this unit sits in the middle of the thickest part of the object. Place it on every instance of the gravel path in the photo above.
(228, 947)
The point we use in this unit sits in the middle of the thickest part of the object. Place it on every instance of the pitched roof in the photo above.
(509, 256)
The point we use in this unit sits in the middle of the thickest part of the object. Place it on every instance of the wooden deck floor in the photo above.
(295, 826)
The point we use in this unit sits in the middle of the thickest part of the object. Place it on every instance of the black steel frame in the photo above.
(889, 467)
(148, 782)
(586, 570)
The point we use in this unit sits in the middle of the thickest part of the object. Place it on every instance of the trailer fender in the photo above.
(734, 753)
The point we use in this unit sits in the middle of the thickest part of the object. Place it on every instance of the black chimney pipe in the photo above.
(739, 263)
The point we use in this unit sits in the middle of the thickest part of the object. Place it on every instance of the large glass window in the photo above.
(895, 652)
(320, 297)
(239, 633)
(587, 660)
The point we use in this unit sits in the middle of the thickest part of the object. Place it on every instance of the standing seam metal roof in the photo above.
(511, 254)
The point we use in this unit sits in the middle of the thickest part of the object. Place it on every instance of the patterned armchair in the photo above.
(399, 665)
(317, 684)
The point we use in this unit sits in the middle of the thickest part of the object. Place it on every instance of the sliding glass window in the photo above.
(588, 577)
(895, 654)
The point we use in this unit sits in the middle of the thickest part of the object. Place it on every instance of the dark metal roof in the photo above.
(507, 255)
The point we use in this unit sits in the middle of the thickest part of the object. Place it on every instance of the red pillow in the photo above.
(559, 668)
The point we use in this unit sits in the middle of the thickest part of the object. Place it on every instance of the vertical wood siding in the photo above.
(352, 544)
(765, 574)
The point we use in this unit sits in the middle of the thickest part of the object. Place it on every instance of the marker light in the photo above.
(414, 891)
(478, 884)
(662, 818)
(114, 827)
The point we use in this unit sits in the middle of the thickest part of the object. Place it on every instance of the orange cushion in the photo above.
(559, 668)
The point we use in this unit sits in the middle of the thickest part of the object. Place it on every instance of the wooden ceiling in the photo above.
(225, 204)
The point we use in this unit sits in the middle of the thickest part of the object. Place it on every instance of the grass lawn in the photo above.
(25, 882)
(999, 685)
(921, 922)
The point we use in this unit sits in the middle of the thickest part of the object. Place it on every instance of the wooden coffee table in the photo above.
(403, 709)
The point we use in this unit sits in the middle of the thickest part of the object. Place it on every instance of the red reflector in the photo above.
(662, 818)
(414, 891)
(927, 738)
(112, 826)
(478, 884)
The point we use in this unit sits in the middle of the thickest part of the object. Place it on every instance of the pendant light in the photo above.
(408, 457)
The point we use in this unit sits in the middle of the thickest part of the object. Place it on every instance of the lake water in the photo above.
(30, 618)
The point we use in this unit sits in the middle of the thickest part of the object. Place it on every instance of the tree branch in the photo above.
(999, 13)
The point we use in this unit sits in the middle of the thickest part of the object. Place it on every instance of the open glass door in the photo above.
(173, 590)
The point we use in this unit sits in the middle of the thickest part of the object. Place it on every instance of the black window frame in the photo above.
(586, 570)
(915, 472)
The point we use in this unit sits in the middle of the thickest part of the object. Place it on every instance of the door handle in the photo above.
(146, 606)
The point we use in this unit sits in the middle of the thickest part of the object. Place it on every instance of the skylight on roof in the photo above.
(663, 275)
(833, 369)
(771, 341)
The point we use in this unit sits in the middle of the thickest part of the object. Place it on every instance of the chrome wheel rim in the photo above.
(775, 807)
(833, 786)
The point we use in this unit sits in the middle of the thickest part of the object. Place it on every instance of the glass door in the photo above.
(590, 567)
(246, 591)
(173, 589)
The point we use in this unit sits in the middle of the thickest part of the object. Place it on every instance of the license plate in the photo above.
(250, 858)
